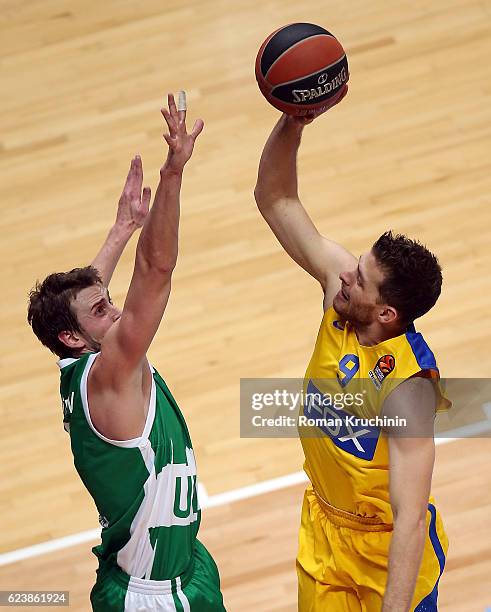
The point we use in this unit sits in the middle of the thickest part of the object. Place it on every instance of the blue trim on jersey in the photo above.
(429, 603)
(425, 358)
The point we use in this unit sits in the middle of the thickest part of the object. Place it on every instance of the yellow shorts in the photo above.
(342, 560)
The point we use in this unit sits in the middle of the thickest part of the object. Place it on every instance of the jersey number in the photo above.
(349, 366)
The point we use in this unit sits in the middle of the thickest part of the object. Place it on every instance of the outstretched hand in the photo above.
(181, 144)
(133, 204)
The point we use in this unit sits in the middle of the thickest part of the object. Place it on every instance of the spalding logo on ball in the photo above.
(301, 68)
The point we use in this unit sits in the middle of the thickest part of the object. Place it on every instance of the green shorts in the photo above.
(196, 591)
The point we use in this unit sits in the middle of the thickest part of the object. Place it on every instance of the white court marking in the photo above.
(221, 499)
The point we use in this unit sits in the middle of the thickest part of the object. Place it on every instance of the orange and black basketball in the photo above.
(302, 68)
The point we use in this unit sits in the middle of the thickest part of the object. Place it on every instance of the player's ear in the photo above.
(71, 339)
(388, 314)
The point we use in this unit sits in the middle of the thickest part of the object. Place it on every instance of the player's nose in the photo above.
(116, 313)
(344, 277)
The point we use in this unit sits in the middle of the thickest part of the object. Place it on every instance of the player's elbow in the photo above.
(265, 198)
(156, 264)
(259, 196)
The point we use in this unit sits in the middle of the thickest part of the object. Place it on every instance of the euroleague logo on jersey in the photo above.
(384, 366)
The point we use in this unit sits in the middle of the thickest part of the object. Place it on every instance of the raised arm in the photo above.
(277, 198)
(132, 211)
(119, 380)
(156, 252)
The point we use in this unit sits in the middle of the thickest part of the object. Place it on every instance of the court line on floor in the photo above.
(206, 501)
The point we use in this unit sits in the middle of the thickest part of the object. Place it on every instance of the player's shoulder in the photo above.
(108, 372)
(72, 368)
(415, 343)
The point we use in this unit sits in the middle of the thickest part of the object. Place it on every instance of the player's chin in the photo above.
(339, 304)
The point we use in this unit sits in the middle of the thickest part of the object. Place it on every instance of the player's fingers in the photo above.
(308, 117)
(169, 140)
(311, 115)
(131, 170)
(340, 95)
(172, 107)
(181, 107)
(138, 174)
(199, 124)
(343, 94)
(171, 124)
(147, 193)
(130, 179)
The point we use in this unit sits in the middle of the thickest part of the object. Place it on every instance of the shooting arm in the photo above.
(277, 198)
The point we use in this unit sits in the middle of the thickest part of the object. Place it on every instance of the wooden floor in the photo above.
(408, 149)
(254, 542)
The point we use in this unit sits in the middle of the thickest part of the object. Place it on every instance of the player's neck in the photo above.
(374, 333)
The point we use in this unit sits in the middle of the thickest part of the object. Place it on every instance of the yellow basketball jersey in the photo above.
(349, 465)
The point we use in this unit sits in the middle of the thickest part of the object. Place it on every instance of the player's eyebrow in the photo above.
(359, 272)
(101, 301)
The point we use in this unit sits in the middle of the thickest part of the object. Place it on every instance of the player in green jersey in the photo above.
(129, 440)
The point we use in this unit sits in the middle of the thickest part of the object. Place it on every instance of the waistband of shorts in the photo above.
(341, 518)
(150, 587)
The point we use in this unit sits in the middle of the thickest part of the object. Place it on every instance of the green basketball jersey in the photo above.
(144, 488)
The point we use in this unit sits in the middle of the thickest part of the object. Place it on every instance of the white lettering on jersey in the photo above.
(171, 499)
(68, 403)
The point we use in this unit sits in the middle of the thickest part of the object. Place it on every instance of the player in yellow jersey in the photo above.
(371, 539)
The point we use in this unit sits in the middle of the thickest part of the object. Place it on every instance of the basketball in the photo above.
(301, 68)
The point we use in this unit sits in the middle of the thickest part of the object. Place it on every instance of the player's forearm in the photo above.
(406, 550)
(107, 258)
(158, 243)
(277, 176)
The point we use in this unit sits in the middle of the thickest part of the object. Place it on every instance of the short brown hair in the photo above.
(49, 311)
(413, 276)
